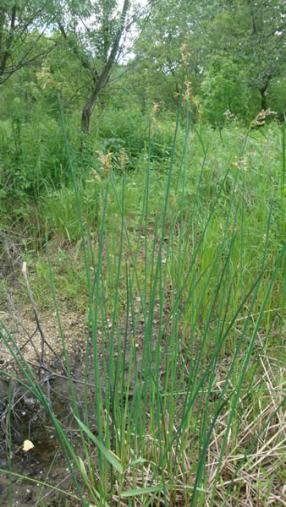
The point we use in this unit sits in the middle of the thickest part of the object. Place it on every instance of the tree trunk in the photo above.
(91, 101)
(102, 79)
(263, 92)
(86, 115)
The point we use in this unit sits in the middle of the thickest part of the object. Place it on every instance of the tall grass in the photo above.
(184, 296)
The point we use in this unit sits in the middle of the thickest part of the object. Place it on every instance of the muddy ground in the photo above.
(22, 418)
(38, 340)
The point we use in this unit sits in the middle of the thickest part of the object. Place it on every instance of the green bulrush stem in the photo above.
(114, 372)
(204, 160)
(126, 388)
(95, 306)
(181, 178)
(93, 293)
(283, 171)
(9, 439)
(145, 209)
(169, 176)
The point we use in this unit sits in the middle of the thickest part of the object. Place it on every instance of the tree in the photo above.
(159, 51)
(266, 44)
(22, 26)
(225, 92)
(96, 32)
(252, 33)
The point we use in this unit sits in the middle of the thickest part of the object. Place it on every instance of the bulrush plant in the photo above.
(182, 393)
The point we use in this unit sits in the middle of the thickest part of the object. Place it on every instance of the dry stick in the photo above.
(30, 340)
(39, 327)
(19, 323)
(65, 377)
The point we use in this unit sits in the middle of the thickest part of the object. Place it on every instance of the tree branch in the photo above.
(7, 51)
(85, 61)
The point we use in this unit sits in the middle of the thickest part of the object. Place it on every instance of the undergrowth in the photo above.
(180, 264)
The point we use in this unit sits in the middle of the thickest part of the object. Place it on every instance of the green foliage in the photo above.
(33, 157)
(22, 30)
(277, 96)
(59, 211)
(166, 232)
(182, 276)
(225, 92)
(128, 129)
(122, 128)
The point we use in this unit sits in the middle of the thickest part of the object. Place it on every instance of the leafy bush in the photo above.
(225, 92)
(128, 129)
